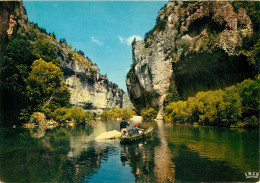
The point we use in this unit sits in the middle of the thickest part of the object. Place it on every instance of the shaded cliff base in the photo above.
(209, 71)
(234, 106)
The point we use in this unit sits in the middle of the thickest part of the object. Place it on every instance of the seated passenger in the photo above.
(138, 130)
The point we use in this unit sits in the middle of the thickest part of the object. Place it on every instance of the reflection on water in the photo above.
(174, 153)
(211, 153)
(164, 167)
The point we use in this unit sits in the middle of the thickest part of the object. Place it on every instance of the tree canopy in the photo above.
(45, 87)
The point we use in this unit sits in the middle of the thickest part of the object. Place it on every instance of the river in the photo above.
(175, 153)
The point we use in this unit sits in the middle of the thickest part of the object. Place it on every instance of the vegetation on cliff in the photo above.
(235, 106)
(31, 75)
(205, 64)
(197, 49)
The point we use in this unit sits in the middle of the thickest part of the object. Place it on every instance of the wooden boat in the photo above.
(136, 136)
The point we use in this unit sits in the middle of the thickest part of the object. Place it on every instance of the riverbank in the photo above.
(235, 106)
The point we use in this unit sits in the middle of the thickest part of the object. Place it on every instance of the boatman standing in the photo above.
(123, 126)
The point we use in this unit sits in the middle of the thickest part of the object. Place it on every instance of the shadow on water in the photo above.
(174, 153)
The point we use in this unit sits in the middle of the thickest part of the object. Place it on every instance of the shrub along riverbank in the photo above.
(117, 113)
(74, 114)
(71, 116)
(149, 114)
(235, 106)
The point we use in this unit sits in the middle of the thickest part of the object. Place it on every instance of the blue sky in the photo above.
(103, 30)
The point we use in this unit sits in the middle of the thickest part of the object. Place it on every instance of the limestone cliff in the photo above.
(194, 46)
(89, 89)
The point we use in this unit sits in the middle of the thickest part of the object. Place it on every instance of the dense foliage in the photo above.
(15, 69)
(117, 113)
(45, 87)
(74, 114)
(31, 78)
(150, 113)
(235, 106)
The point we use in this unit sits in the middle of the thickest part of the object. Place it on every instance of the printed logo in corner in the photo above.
(252, 175)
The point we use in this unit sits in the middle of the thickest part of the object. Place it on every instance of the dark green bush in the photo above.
(235, 106)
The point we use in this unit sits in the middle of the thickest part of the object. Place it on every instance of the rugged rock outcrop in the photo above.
(194, 46)
(12, 13)
(89, 89)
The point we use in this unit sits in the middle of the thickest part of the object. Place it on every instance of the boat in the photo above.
(132, 136)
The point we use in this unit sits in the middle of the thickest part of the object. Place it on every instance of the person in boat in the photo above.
(123, 126)
(137, 129)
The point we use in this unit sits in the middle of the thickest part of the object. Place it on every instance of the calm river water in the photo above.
(175, 153)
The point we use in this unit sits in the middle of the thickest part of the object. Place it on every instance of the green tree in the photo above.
(248, 90)
(45, 88)
(15, 69)
(45, 50)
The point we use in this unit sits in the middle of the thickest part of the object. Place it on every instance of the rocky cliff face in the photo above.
(195, 46)
(89, 89)
(12, 13)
